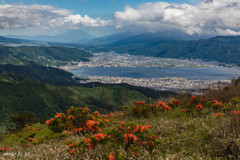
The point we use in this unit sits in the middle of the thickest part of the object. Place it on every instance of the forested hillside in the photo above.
(51, 56)
(223, 49)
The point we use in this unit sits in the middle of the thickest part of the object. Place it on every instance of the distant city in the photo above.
(112, 59)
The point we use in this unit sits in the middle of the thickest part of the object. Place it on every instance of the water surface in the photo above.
(219, 73)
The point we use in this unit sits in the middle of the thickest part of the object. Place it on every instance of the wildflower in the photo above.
(58, 115)
(120, 113)
(26, 144)
(199, 107)
(192, 98)
(70, 117)
(111, 156)
(47, 122)
(7, 149)
(216, 103)
(106, 120)
(218, 114)
(88, 143)
(110, 114)
(79, 130)
(100, 136)
(69, 111)
(130, 137)
(74, 150)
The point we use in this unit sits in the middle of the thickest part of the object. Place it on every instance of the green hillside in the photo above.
(47, 56)
(223, 49)
(49, 75)
(19, 93)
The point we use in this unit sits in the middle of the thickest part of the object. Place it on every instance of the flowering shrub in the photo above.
(78, 120)
(130, 139)
(142, 109)
(217, 104)
(174, 103)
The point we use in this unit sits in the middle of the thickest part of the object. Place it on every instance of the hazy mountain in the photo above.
(5, 40)
(71, 36)
(109, 39)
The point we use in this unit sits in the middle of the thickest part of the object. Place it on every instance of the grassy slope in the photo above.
(182, 136)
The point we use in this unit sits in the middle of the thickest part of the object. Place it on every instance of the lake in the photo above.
(219, 73)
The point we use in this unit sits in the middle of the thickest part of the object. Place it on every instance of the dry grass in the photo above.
(226, 93)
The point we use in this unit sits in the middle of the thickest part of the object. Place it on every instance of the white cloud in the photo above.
(43, 17)
(210, 17)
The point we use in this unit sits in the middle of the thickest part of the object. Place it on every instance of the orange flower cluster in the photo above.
(218, 114)
(236, 112)
(93, 126)
(174, 103)
(32, 140)
(111, 156)
(163, 106)
(71, 147)
(199, 107)
(88, 144)
(5, 149)
(70, 117)
(48, 121)
(192, 98)
(99, 136)
(58, 115)
(130, 138)
(217, 103)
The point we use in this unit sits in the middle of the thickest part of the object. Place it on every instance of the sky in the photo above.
(103, 17)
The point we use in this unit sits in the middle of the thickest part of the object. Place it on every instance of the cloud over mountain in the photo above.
(209, 17)
(43, 17)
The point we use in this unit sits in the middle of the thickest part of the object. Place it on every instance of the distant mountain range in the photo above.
(68, 37)
(222, 48)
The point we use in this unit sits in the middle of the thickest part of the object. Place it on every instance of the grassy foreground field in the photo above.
(188, 128)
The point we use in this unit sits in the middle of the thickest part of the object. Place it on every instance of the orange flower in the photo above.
(70, 117)
(216, 103)
(111, 156)
(47, 122)
(58, 115)
(199, 107)
(130, 137)
(69, 111)
(218, 114)
(192, 98)
(100, 136)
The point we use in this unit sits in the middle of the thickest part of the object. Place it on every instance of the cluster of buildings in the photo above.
(161, 84)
